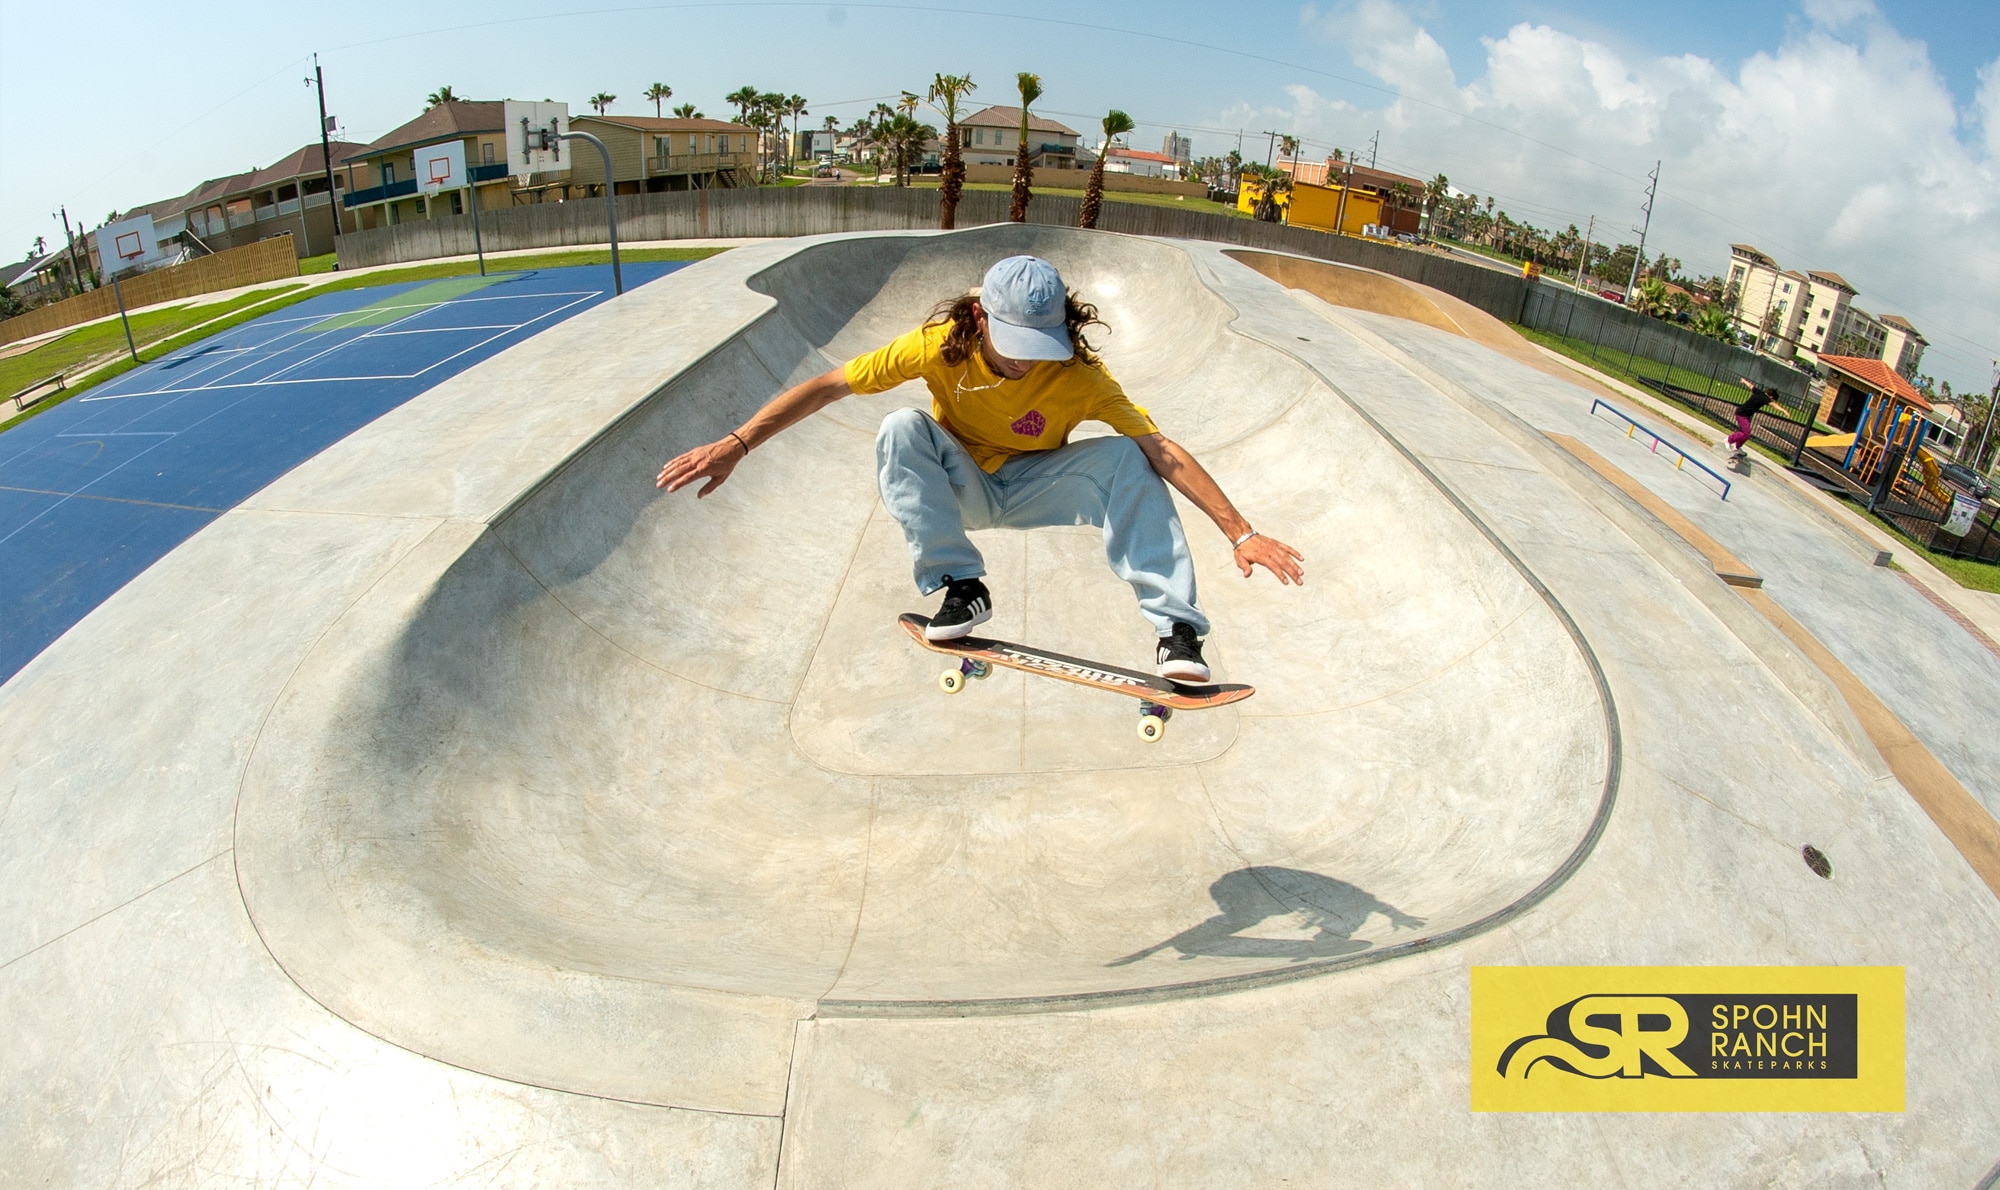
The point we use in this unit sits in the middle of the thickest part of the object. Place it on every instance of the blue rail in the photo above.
(1658, 442)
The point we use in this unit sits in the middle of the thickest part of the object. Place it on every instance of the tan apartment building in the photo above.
(1823, 312)
(288, 197)
(991, 136)
(382, 176)
(1902, 345)
(650, 154)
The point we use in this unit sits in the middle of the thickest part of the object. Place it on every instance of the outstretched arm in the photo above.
(1190, 479)
(716, 460)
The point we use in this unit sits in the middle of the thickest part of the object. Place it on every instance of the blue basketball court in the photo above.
(95, 490)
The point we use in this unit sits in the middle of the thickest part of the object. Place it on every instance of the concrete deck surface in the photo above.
(458, 808)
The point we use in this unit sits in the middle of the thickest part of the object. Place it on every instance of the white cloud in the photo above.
(1840, 149)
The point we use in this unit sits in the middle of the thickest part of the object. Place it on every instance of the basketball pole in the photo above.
(120, 295)
(473, 189)
(610, 202)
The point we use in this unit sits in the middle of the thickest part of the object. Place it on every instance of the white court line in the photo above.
(389, 327)
(215, 387)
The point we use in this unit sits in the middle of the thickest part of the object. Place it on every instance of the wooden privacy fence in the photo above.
(265, 260)
(820, 210)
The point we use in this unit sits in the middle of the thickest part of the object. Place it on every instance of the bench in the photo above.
(46, 386)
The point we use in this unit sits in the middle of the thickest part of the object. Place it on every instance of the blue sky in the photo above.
(1834, 134)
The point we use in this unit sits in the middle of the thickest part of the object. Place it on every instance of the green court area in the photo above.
(79, 345)
(403, 304)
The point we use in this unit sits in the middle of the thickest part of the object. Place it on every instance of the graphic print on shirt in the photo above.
(1030, 424)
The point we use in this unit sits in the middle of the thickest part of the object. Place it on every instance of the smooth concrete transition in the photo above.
(462, 809)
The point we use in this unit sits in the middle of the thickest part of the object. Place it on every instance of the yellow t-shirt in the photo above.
(993, 417)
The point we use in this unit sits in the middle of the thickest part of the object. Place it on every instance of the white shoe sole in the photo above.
(955, 631)
(1186, 673)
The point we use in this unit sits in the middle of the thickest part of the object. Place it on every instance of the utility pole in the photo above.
(318, 83)
(69, 237)
(1632, 285)
(1991, 397)
(1585, 258)
(1270, 146)
(1374, 143)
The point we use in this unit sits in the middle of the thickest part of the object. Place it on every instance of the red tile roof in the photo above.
(1878, 376)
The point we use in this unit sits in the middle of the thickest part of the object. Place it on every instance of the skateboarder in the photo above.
(1758, 398)
(1011, 376)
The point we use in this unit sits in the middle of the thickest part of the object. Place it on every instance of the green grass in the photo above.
(1482, 250)
(1979, 576)
(86, 342)
(317, 264)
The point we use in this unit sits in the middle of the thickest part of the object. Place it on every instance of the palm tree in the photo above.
(1435, 192)
(795, 106)
(904, 137)
(944, 96)
(1116, 123)
(1401, 198)
(601, 100)
(686, 111)
(742, 99)
(1651, 297)
(1714, 321)
(441, 95)
(1288, 146)
(659, 93)
(1024, 173)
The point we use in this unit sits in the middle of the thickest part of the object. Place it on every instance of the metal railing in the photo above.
(1682, 456)
(694, 163)
(356, 198)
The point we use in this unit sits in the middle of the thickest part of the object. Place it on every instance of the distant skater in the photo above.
(1758, 398)
(1010, 376)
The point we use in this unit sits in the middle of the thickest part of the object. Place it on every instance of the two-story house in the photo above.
(382, 179)
(992, 135)
(651, 154)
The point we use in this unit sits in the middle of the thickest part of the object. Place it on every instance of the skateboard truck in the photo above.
(952, 681)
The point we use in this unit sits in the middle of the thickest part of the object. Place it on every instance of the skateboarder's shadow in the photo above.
(1249, 897)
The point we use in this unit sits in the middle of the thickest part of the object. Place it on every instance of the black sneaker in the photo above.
(1180, 657)
(966, 606)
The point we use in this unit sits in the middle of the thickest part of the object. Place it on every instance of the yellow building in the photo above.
(1316, 207)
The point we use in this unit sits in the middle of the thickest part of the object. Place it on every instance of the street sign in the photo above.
(533, 132)
(441, 167)
(126, 244)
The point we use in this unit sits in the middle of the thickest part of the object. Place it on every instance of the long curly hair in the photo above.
(963, 338)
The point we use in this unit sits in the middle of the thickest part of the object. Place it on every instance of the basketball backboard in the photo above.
(126, 244)
(441, 167)
(532, 128)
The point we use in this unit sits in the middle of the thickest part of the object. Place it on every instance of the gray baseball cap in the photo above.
(1023, 297)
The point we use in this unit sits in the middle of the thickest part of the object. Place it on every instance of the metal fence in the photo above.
(1653, 349)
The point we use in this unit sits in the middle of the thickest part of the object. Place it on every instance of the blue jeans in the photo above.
(936, 492)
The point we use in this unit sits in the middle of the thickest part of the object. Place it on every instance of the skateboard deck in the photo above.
(1158, 697)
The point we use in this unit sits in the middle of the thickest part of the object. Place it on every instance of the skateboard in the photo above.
(1158, 697)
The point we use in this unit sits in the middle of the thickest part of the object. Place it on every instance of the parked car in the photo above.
(1965, 477)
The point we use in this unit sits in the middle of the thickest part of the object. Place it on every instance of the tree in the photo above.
(659, 93)
(1024, 173)
(441, 95)
(795, 106)
(1713, 320)
(601, 100)
(944, 96)
(1436, 191)
(686, 111)
(1651, 297)
(1401, 198)
(904, 138)
(1116, 124)
(742, 99)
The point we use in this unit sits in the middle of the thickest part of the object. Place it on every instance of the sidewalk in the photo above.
(1976, 610)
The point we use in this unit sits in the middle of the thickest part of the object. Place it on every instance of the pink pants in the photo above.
(1742, 433)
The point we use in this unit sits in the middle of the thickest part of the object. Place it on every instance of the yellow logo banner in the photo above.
(1687, 1039)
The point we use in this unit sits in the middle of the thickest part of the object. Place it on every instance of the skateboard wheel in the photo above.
(951, 681)
(1151, 728)
(980, 669)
